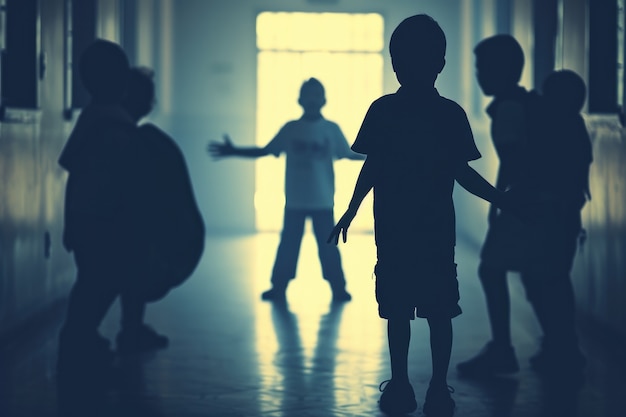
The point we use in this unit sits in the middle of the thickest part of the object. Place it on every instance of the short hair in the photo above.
(312, 83)
(565, 88)
(418, 37)
(504, 53)
(104, 70)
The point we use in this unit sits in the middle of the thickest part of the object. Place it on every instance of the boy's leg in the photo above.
(323, 222)
(399, 338)
(550, 291)
(441, 349)
(498, 356)
(438, 401)
(287, 254)
(135, 335)
(496, 289)
(133, 311)
(398, 396)
(91, 297)
(85, 360)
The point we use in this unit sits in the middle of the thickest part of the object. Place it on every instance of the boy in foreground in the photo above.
(417, 144)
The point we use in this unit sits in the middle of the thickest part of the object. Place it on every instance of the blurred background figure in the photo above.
(311, 144)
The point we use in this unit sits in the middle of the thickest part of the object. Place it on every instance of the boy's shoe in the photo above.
(438, 401)
(274, 294)
(341, 296)
(397, 397)
(139, 340)
(491, 360)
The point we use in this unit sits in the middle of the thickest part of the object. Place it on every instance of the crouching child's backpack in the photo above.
(171, 229)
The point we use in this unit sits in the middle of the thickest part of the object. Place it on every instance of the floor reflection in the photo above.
(233, 355)
(304, 381)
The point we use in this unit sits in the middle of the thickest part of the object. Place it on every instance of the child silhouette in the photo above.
(98, 220)
(168, 219)
(310, 143)
(529, 133)
(417, 144)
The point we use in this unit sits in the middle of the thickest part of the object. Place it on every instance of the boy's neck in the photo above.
(311, 116)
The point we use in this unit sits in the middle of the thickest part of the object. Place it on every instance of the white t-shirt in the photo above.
(310, 146)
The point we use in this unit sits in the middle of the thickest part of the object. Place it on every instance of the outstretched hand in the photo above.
(221, 149)
(341, 228)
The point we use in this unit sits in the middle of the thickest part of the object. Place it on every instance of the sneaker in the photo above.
(491, 360)
(341, 296)
(143, 339)
(397, 397)
(438, 401)
(274, 294)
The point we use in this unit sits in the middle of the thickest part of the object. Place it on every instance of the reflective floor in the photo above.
(232, 354)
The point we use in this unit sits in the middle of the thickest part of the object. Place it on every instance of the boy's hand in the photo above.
(517, 204)
(341, 228)
(493, 213)
(221, 149)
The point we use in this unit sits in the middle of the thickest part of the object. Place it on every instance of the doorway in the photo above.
(343, 51)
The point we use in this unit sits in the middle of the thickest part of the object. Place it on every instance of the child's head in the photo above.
(499, 64)
(418, 49)
(565, 90)
(312, 97)
(140, 94)
(104, 70)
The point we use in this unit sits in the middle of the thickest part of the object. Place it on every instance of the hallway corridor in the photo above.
(232, 354)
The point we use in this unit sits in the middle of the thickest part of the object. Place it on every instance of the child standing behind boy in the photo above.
(311, 144)
(544, 154)
(417, 144)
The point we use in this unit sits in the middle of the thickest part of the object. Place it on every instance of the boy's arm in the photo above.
(473, 182)
(363, 185)
(356, 156)
(501, 185)
(226, 148)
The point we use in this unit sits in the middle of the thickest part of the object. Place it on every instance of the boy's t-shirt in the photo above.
(310, 147)
(100, 157)
(415, 142)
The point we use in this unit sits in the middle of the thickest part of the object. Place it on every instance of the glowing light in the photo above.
(346, 57)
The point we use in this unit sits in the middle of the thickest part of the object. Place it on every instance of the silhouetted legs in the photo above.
(133, 311)
(552, 298)
(136, 336)
(286, 261)
(399, 337)
(498, 356)
(398, 395)
(549, 290)
(288, 249)
(95, 289)
(84, 363)
(323, 221)
(496, 290)
(441, 349)
(546, 279)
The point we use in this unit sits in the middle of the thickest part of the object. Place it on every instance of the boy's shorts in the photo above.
(409, 289)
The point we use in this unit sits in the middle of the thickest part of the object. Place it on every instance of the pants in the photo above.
(289, 248)
(546, 278)
(99, 281)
